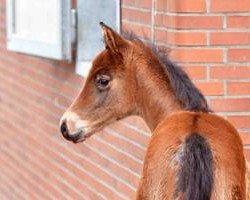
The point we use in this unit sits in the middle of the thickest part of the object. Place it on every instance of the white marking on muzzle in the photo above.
(74, 123)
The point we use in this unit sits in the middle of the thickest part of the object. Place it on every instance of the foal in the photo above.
(192, 155)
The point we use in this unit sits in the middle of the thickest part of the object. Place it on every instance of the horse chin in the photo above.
(79, 140)
(87, 132)
(82, 136)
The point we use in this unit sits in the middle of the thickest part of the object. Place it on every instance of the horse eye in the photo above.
(102, 81)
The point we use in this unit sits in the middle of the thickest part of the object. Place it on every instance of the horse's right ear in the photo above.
(112, 39)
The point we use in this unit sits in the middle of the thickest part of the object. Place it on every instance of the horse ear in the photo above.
(112, 39)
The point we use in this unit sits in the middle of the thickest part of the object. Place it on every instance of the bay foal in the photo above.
(193, 154)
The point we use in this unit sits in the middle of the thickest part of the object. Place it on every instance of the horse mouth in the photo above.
(79, 136)
(84, 133)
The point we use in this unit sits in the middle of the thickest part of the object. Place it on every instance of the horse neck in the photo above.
(155, 98)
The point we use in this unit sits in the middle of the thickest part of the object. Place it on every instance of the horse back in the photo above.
(165, 168)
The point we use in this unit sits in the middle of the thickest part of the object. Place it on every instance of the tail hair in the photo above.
(195, 174)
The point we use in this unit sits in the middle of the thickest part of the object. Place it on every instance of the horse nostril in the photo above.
(64, 129)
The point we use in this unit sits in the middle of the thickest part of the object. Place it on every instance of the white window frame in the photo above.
(61, 50)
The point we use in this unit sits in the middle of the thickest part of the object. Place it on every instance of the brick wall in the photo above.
(210, 40)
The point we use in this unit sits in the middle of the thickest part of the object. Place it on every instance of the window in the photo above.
(46, 28)
(40, 27)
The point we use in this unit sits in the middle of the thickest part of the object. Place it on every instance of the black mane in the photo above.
(185, 91)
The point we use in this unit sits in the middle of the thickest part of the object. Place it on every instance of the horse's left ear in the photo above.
(112, 39)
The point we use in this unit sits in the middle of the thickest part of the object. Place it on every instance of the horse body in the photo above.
(192, 155)
(162, 160)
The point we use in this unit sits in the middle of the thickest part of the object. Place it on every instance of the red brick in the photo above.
(44, 112)
(52, 179)
(118, 156)
(144, 4)
(15, 176)
(137, 123)
(181, 38)
(15, 159)
(230, 38)
(133, 134)
(238, 22)
(46, 91)
(238, 88)
(196, 72)
(64, 162)
(43, 66)
(229, 72)
(245, 136)
(120, 172)
(129, 2)
(211, 88)
(197, 55)
(136, 15)
(242, 121)
(112, 137)
(238, 55)
(189, 22)
(37, 77)
(230, 6)
(233, 105)
(141, 30)
(181, 6)
(8, 191)
(247, 154)
(98, 171)
(18, 89)
(13, 103)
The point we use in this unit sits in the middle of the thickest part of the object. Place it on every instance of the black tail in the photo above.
(195, 175)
